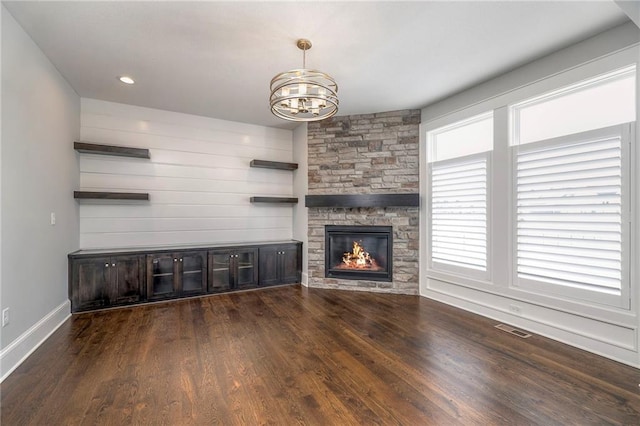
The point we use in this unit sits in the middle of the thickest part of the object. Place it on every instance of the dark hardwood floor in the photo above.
(289, 355)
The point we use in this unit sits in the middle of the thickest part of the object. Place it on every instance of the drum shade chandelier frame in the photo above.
(302, 94)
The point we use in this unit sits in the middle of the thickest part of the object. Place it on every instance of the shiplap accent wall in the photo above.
(198, 179)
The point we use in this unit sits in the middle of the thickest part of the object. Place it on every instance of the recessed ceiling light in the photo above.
(126, 80)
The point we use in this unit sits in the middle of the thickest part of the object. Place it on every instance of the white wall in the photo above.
(300, 189)
(198, 178)
(40, 120)
(606, 331)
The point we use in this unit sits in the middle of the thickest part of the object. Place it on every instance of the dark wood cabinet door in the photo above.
(193, 272)
(220, 273)
(245, 268)
(90, 283)
(269, 265)
(162, 280)
(290, 264)
(127, 279)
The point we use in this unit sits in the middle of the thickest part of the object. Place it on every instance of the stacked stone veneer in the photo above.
(366, 154)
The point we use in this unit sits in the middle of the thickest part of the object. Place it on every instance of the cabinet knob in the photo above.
(175, 260)
(106, 265)
(113, 264)
(180, 259)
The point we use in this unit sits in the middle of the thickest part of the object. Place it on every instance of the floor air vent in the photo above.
(513, 331)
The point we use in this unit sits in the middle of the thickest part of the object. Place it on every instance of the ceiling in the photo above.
(216, 59)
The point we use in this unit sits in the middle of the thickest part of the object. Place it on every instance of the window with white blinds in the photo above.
(459, 212)
(569, 214)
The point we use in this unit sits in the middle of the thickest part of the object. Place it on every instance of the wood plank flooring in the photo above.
(290, 355)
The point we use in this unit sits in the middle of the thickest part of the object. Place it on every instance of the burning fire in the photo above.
(358, 258)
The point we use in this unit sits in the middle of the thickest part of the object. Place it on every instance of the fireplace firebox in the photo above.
(358, 252)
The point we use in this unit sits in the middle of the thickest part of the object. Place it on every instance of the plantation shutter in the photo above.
(569, 214)
(459, 212)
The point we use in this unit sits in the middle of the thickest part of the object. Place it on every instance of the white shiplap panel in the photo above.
(146, 239)
(139, 167)
(198, 179)
(98, 182)
(106, 225)
(176, 122)
(227, 147)
(202, 198)
(185, 211)
(274, 140)
(97, 107)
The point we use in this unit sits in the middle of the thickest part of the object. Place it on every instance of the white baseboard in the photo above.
(305, 279)
(537, 323)
(14, 354)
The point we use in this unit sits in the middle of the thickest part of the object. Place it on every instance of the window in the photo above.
(458, 173)
(599, 102)
(569, 196)
(570, 159)
(465, 137)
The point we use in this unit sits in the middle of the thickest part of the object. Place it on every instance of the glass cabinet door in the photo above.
(161, 275)
(247, 268)
(219, 270)
(193, 272)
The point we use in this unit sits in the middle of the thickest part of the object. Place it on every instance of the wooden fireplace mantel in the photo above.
(363, 200)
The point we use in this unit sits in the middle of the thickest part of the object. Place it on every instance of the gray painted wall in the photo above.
(40, 121)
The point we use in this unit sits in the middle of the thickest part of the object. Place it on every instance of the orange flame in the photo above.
(358, 258)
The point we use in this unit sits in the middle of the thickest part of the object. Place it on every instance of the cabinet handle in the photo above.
(180, 259)
(113, 264)
(106, 265)
(175, 260)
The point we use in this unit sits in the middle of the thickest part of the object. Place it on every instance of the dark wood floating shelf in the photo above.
(274, 200)
(96, 195)
(273, 165)
(121, 151)
(364, 200)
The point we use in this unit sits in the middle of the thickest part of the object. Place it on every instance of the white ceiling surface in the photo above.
(216, 59)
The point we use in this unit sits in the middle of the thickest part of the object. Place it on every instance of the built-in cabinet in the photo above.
(100, 279)
(171, 275)
(279, 264)
(233, 269)
(98, 282)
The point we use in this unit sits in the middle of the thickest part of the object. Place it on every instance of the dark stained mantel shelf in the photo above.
(363, 200)
(121, 151)
(273, 165)
(275, 200)
(100, 195)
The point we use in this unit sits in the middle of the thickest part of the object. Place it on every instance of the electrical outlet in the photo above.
(515, 309)
(53, 218)
(5, 317)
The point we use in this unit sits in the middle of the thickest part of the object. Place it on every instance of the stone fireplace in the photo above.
(364, 155)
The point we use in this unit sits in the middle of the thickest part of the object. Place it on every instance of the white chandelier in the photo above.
(302, 94)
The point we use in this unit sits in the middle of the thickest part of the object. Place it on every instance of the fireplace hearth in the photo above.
(359, 252)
